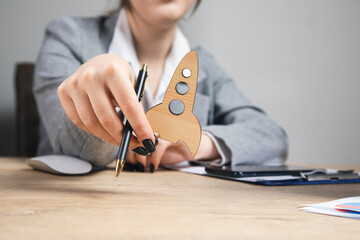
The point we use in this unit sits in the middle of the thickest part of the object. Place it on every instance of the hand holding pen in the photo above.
(125, 141)
(89, 97)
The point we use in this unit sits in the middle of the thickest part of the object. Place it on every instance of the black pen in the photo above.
(125, 141)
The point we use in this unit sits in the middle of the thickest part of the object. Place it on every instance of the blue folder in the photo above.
(305, 182)
(312, 178)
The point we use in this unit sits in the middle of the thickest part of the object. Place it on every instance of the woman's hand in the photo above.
(168, 153)
(89, 97)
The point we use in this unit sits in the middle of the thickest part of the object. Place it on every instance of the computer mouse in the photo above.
(60, 164)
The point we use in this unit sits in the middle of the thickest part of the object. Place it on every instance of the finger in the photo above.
(136, 146)
(131, 157)
(71, 112)
(181, 148)
(130, 167)
(136, 160)
(140, 151)
(176, 153)
(156, 156)
(105, 112)
(130, 105)
(141, 159)
(89, 119)
(148, 163)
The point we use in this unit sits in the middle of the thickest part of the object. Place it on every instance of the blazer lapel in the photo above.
(98, 42)
(108, 28)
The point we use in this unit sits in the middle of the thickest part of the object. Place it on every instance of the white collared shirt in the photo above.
(122, 45)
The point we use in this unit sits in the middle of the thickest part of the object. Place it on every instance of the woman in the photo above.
(86, 68)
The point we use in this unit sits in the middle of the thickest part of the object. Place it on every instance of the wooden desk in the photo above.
(167, 204)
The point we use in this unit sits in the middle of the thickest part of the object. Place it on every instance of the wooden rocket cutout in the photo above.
(173, 119)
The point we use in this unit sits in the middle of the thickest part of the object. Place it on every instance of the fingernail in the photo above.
(149, 145)
(156, 140)
(141, 151)
(130, 167)
(140, 167)
(152, 168)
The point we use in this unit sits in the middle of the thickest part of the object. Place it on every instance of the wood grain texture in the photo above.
(186, 126)
(163, 205)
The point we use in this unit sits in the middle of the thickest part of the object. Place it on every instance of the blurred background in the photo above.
(299, 60)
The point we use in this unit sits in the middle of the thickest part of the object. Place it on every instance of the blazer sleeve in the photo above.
(247, 134)
(59, 57)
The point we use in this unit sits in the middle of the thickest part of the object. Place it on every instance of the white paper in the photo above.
(345, 207)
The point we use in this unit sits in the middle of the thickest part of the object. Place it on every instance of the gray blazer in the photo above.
(248, 135)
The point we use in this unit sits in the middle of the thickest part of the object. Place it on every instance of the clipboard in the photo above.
(298, 182)
(317, 176)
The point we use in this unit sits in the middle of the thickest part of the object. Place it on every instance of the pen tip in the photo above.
(144, 67)
(119, 166)
(117, 172)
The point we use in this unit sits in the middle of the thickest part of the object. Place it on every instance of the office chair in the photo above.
(27, 117)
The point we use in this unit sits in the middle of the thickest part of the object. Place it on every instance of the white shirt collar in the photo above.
(122, 45)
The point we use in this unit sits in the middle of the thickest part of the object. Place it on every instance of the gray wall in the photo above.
(298, 60)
